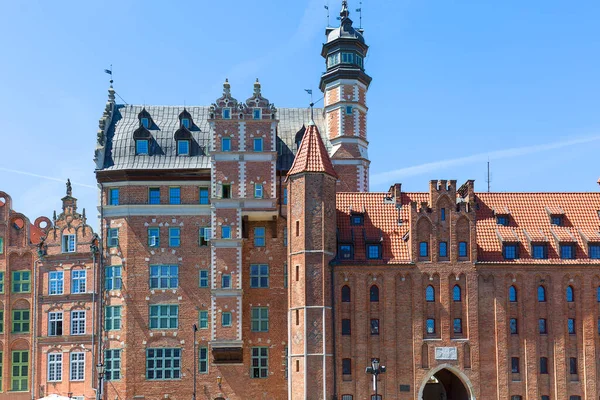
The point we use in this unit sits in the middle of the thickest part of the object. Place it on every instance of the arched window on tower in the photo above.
(374, 294)
(570, 294)
(512, 294)
(345, 294)
(456, 293)
(430, 294)
(541, 294)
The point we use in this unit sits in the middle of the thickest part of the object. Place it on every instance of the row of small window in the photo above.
(515, 365)
(55, 323)
(374, 293)
(346, 327)
(56, 282)
(204, 236)
(443, 249)
(345, 58)
(543, 326)
(346, 251)
(154, 196)
(510, 251)
(256, 113)
(541, 294)
(167, 277)
(373, 396)
(503, 219)
(76, 367)
(544, 397)
(431, 328)
(257, 144)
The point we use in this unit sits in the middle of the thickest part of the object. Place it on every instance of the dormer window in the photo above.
(183, 147)
(502, 219)
(345, 251)
(373, 251)
(142, 147)
(256, 113)
(185, 122)
(556, 220)
(567, 251)
(145, 122)
(227, 113)
(510, 251)
(539, 251)
(594, 250)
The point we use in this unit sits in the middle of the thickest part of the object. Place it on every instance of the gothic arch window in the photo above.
(346, 294)
(374, 294)
(541, 294)
(570, 295)
(456, 293)
(430, 294)
(512, 294)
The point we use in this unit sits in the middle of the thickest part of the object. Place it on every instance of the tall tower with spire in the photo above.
(344, 86)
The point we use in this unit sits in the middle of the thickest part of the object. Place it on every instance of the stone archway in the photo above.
(446, 382)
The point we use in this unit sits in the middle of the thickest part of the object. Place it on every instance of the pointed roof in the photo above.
(312, 155)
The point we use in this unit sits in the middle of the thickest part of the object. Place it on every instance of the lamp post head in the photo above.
(375, 364)
(100, 369)
(369, 370)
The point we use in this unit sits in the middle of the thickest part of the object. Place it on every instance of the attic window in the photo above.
(227, 113)
(539, 251)
(256, 113)
(141, 147)
(556, 220)
(357, 219)
(185, 122)
(502, 219)
(145, 122)
(183, 147)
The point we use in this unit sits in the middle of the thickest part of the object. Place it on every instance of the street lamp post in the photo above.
(70, 395)
(100, 369)
(375, 369)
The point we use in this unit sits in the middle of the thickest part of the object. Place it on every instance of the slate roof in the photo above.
(312, 155)
(528, 220)
(120, 146)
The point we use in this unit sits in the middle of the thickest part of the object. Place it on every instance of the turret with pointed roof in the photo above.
(312, 155)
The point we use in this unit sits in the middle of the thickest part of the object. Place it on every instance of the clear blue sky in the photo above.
(453, 83)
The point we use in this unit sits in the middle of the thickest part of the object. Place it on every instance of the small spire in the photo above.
(226, 88)
(69, 188)
(257, 88)
(344, 13)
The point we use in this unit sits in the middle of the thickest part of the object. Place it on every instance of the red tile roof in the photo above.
(35, 234)
(528, 220)
(312, 155)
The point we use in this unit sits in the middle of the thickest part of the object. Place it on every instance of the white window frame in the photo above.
(69, 243)
(77, 366)
(55, 366)
(153, 240)
(78, 322)
(258, 191)
(56, 278)
(54, 318)
(78, 281)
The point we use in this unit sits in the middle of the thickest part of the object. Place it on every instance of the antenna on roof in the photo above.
(359, 11)
(327, 8)
(109, 71)
(489, 179)
(309, 91)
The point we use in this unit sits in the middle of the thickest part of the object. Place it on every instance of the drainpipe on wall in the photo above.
(34, 325)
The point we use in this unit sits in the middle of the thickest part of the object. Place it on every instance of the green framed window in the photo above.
(259, 276)
(174, 195)
(112, 237)
(21, 281)
(260, 362)
(203, 278)
(19, 377)
(260, 319)
(1, 245)
(226, 319)
(20, 321)
(112, 318)
(2, 282)
(154, 237)
(203, 319)
(204, 195)
(174, 237)
(164, 276)
(112, 364)
(203, 360)
(1, 370)
(112, 277)
(1, 330)
(163, 364)
(164, 316)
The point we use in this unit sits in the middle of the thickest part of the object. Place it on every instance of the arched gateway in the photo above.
(446, 382)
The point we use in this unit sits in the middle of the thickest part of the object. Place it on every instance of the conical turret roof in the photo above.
(312, 155)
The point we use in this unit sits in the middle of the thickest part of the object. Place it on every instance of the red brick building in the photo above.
(48, 321)
(244, 258)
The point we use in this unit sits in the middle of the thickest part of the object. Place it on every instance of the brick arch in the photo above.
(19, 223)
(456, 371)
(20, 344)
(443, 200)
(5, 200)
(424, 234)
(21, 304)
(463, 232)
(162, 341)
(43, 223)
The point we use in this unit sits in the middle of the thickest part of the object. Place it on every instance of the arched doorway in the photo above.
(446, 382)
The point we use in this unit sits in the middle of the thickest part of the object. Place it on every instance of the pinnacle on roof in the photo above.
(344, 13)
(312, 155)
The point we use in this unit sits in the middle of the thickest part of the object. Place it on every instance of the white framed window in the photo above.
(153, 237)
(55, 323)
(77, 366)
(56, 282)
(68, 243)
(78, 322)
(55, 367)
(258, 190)
(78, 279)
